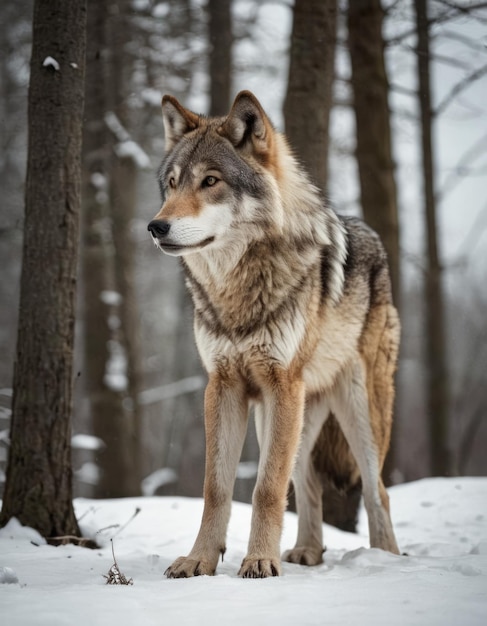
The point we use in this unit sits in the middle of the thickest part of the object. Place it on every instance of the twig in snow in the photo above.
(115, 576)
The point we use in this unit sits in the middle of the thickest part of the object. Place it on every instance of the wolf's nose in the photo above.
(159, 228)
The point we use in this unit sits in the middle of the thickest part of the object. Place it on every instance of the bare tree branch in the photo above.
(466, 41)
(475, 233)
(405, 91)
(451, 61)
(467, 9)
(451, 13)
(459, 87)
(474, 152)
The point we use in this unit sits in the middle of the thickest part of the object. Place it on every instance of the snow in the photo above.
(89, 473)
(126, 147)
(159, 478)
(116, 367)
(172, 390)
(86, 442)
(131, 149)
(8, 576)
(50, 62)
(99, 181)
(112, 298)
(440, 524)
(247, 469)
(150, 96)
(160, 10)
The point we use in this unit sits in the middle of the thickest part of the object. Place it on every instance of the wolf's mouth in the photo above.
(173, 248)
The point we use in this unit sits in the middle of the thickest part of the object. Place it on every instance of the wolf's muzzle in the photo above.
(159, 228)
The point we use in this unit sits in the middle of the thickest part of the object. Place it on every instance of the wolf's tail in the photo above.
(339, 476)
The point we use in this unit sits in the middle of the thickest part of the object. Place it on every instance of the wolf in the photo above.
(293, 316)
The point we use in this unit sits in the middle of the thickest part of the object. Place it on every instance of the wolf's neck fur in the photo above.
(241, 285)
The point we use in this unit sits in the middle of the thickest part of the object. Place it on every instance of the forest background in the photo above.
(137, 422)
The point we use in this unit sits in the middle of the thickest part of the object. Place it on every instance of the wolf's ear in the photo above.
(177, 121)
(246, 122)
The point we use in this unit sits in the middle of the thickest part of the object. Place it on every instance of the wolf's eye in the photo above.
(172, 182)
(209, 181)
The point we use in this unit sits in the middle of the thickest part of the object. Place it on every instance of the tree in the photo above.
(38, 487)
(15, 39)
(220, 55)
(370, 86)
(99, 299)
(309, 90)
(125, 160)
(436, 358)
(378, 197)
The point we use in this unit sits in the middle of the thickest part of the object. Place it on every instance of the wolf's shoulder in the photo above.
(364, 246)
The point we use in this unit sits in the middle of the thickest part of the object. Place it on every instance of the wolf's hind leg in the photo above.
(351, 407)
(308, 549)
(225, 426)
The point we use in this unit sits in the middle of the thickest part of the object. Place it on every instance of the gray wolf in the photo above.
(293, 316)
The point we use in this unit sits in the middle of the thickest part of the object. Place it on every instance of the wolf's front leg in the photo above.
(226, 414)
(280, 428)
(308, 490)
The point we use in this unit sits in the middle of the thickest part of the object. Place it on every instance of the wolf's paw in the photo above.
(185, 567)
(304, 555)
(253, 567)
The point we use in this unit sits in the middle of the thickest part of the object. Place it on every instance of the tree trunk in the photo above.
(374, 150)
(123, 202)
(437, 371)
(123, 193)
(38, 489)
(220, 55)
(105, 400)
(309, 91)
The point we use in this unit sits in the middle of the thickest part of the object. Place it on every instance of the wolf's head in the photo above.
(219, 178)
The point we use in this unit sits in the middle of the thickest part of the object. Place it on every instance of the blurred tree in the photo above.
(38, 487)
(100, 301)
(378, 197)
(220, 55)
(125, 160)
(15, 40)
(310, 82)
(435, 346)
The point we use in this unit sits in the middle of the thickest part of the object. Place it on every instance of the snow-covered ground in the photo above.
(440, 523)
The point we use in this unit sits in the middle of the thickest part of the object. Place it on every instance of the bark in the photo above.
(38, 489)
(436, 358)
(309, 92)
(105, 402)
(123, 202)
(123, 189)
(220, 55)
(375, 163)
(372, 114)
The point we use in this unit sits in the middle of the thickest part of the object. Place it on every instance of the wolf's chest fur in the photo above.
(273, 305)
